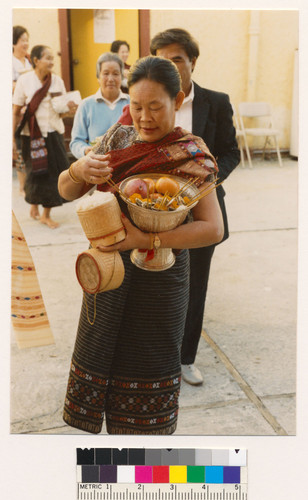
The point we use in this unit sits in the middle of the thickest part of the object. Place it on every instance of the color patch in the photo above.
(237, 457)
(90, 474)
(103, 456)
(120, 457)
(203, 457)
(160, 474)
(136, 456)
(214, 474)
(126, 474)
(170, 457)
(232, 475)
(220, 457)
(85, 456)
(178, 474)
(143, 474)
(187, 457)
(108, 473)
(152, 457)
(196, 474)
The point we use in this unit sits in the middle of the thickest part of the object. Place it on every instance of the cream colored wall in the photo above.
(223, 37)
(43, 28)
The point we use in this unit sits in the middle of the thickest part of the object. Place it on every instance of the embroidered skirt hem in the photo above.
(126, 366)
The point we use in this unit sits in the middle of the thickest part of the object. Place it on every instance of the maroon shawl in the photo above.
(179, 153)
(38, 150)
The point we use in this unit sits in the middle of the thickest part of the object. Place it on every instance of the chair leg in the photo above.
(240, 145)
(264, 147)
(278, 151)
(247, 152)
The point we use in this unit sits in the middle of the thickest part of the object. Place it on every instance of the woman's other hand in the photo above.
(134, 239)
(93, 168)
(72, 108)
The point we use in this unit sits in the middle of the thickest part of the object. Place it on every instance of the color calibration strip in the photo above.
(158, 474)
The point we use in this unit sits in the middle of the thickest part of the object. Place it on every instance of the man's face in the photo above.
(177, 54)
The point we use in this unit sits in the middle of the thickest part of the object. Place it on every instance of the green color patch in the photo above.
(195, 474)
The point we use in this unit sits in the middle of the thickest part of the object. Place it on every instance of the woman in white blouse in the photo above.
(41, 188)
(20, 64)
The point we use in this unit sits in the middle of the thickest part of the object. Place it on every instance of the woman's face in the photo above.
(152, 109)
(110, 79)
(45, 63)
(123, 53)
(22, 45)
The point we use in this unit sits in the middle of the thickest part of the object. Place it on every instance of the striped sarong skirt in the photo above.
(127, 365)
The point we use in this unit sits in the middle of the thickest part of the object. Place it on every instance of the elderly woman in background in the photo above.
(98, 112)
(41, 132)
(126, 365)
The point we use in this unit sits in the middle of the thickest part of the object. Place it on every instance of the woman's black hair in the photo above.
(37, 52)
(115, 46)
(158, 70)
(18, 31)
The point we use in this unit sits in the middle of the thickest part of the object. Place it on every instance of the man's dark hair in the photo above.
(158, 70)
(115, 46)
(175, 35)
(18, 31)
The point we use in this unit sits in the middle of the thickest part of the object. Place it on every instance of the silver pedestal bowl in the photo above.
(155, 221)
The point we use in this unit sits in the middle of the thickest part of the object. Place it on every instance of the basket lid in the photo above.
(88, 273)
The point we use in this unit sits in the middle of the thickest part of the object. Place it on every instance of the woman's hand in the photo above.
(93, 168)
(134, 239)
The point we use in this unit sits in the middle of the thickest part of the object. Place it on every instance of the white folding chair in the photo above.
(239, 135)
(258, 110)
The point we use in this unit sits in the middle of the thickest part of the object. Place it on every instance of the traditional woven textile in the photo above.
(127, 365)
(179, 153)
(29, 315)
(39, 160)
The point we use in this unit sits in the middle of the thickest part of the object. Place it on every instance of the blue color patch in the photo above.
(214, 474)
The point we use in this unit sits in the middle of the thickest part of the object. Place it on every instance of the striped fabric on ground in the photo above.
(29, 316)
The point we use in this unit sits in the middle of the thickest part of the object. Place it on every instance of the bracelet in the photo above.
(72, 176)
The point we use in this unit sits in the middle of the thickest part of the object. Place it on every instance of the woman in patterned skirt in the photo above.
(126, 366)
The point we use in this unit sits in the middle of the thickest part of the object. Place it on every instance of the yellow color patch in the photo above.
(178, 474)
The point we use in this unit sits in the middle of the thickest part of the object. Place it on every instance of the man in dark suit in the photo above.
(207, 114)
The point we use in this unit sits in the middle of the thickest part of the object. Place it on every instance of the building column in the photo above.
(254, 34)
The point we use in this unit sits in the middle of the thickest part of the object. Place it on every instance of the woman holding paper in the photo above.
(41, 131)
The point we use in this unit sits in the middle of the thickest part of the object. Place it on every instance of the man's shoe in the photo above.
(191, 374)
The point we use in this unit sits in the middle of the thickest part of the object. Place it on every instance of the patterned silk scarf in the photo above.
(179, 153)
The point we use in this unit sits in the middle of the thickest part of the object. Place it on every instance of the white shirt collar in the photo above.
(99, 97)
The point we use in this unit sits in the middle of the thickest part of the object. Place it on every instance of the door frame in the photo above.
(65, 42)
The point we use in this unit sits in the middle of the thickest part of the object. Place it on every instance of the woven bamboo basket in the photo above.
(102, 224)
(99, 271)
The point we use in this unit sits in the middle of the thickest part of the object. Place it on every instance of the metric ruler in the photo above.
(161, 474)
(107, 491)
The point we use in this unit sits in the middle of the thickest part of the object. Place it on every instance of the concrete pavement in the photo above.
(247, 353)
